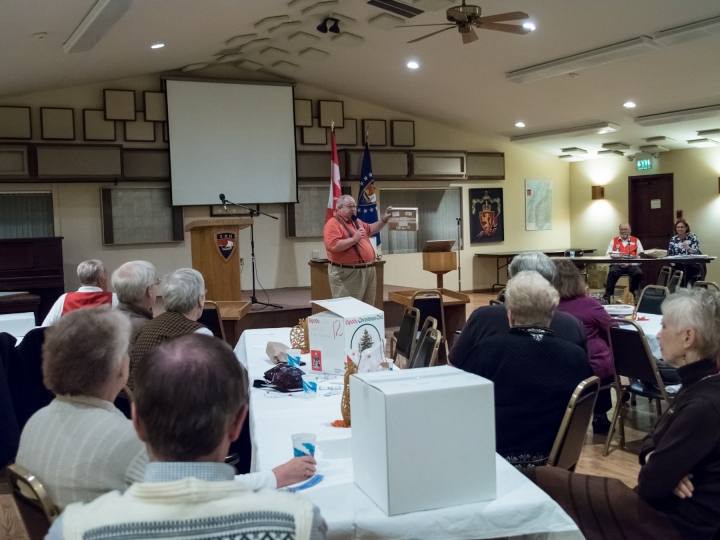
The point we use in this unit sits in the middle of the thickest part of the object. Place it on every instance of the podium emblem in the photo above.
(225, 243)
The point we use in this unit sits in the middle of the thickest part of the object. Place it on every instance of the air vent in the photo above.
(397, 7)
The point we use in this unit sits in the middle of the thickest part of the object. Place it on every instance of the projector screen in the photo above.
(236, 139)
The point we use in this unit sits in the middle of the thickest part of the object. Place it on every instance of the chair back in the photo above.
(651, 299)
(426, 350)
(675, 280)
(25, 377)
(33, 503)
(9, 431)
(500, 298)
(212, 319)
(430, 304)
(569, 441)
(407, 335)
(631, 354)
(495, 303)
(664, 276)
(572, 252)
(711, 285)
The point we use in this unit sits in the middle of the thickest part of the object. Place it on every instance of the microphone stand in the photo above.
(254, 212)
(459, 224)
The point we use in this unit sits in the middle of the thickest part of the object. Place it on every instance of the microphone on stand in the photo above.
(222, 200)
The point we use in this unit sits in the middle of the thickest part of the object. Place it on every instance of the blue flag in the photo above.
(367, 200)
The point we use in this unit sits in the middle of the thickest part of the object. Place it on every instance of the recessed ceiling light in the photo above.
(40, 35)
(157, 46)
(520, 124)
(529, 26)
(413, 65)
(629, 105)
(703, 143)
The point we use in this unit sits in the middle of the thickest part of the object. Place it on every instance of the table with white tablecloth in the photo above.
(651, 325)
(520, 509)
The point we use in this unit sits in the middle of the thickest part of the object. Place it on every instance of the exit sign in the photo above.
(644, 164)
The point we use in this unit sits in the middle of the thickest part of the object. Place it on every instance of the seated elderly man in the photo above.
(80, 446)
(192, 399)
(184, 294)
(92, 292)
(488, 321)
(533, 371)
(135, 285)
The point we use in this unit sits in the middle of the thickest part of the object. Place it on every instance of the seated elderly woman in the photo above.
(678, 492)
(80, 446)
(534, 372)
(136, 287)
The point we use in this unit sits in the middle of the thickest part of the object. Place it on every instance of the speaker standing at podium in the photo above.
(352, 257)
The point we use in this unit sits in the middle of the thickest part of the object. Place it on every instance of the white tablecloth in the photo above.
(651, 327)
(521, 508)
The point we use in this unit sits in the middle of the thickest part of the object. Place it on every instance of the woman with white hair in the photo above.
(533, 371)
(184, 294)
(136, 287)
(678, 492)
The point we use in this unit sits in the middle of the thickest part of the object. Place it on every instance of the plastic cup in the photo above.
(293, 356)
(303, 444)
(310, 385)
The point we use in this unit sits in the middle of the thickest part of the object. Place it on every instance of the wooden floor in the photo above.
(621, 463)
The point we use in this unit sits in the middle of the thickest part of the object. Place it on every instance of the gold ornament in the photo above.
(350, 369)
(299, 337)
(627, 298)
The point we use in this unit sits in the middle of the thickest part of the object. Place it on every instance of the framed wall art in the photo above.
(487, 218)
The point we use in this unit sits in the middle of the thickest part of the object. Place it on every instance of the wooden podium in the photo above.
(320, 283)
(215, 250)
(439, 258)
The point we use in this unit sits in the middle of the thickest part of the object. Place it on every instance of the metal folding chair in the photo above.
(430, 304)
(675, 281)
(426, 350)
(651, 299)
(706, 285)
(212, 318)
(664, 276)
(33, 503)
(403, 341)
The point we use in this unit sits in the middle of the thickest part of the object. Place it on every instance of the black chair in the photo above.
(9, 430)
(403, 341)
(569, 441)
(711, 285)
(664, 276)
(25, 377)
(500, 298)
(632, 359)
(212, 319)
(651, 299)
(675, 281)
(430, 304)
(33, 503)
(426, 350)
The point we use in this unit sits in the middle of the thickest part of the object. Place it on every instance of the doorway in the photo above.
(650, 202)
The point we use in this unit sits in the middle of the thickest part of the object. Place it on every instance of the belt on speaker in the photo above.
(360, 265)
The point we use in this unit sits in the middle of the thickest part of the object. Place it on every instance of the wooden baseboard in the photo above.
(471, 291)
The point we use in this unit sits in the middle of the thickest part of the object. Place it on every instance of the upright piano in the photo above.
(34, 265)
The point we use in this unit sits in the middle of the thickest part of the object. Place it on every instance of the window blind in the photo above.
(26, 215)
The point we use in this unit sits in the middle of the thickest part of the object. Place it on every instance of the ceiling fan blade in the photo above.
(511, 28)
(458, 15)
(414, 25)
(469, 37)
(514, 16)
(429, 35)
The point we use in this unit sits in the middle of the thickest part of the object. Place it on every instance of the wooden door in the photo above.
(650, 201)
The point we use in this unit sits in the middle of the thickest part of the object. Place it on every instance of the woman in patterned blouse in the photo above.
(686, 243)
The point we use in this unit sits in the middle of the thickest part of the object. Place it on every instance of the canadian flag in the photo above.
(335, 190)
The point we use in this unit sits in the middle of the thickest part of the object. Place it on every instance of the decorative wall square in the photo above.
(155, 107)
(140, 130)
(347, 135)
(303, 113)
(57, 124)
(375, 132)
(315, 134)
(402, 133)
(119, 104)
(331, 111)
(15, 123)
(96, 128)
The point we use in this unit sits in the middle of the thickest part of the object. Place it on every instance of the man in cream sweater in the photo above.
(191, 402)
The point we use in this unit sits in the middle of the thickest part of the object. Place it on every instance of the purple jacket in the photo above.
(595, 319)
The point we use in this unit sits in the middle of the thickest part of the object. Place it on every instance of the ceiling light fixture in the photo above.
(707, 132)
(590, 129)
(658, 139)
(334, 29)
(603, 153)
(598, 193)
(616, 146)
(520, 124)
(569, 157)
(653, 149)
(689, 32)
(157, 46)
(629, 105)
(98, 22)
(40, 35)
(413, 65)
(682, 115)
(575, 151)
(703, 143)
(528, 26)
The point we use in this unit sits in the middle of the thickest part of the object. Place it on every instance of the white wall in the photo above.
(281, 261)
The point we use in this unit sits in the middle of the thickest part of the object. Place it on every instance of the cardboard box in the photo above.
(342, 327)
(423, 438)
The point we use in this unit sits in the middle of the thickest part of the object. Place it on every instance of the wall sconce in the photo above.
(598, 192)
(335, 28)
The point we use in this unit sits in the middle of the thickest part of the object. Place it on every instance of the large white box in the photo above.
(17, 324)
(423, 438)
(346, 322)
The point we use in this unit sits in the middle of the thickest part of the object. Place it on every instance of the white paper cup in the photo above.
(310, 385)
(293, 356)
(303, 444)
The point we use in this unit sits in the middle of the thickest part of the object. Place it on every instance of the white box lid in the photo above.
(347, 307)
(421, 379)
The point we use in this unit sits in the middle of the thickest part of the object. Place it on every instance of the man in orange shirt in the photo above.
(352, 257)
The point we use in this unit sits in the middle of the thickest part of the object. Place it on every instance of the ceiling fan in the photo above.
(466, 18)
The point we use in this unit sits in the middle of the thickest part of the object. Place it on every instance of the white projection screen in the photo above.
(236, 139)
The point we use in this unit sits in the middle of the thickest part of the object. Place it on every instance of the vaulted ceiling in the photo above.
(461, 85)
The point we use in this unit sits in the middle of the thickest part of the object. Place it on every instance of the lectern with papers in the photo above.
(439, 258)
